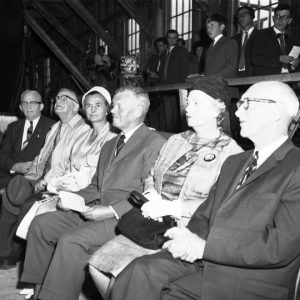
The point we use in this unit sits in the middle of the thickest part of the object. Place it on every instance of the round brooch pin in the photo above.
(209, 157)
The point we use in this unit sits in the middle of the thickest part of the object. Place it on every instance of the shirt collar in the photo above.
(34, 122)
(73, 121)
(131, 132)
(265, 152)
(217, 38)
(276, 30)
(250, 30)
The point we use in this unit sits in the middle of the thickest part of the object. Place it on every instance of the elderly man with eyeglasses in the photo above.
(243, 242)
(271, 47)
(53, 158)
(22, 143)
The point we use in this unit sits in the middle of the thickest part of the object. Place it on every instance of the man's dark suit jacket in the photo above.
(247, 52)
(252, 234)
(266, 52)
(178, 66)
(117, 177)
(11, 151)
(222, 58)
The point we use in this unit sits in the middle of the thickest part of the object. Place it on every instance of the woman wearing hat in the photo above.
(86, 150)
(187, 167)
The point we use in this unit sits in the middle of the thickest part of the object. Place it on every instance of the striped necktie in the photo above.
(29, 134)
(120, 144)
(251, 167)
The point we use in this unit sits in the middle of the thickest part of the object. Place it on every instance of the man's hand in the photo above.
(295, 62)
(40, 186)
(98, 212)
(286, 59)
(184, 244)
(21, 167)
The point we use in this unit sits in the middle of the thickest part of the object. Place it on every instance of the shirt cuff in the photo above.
(116, 215)
(12, 172)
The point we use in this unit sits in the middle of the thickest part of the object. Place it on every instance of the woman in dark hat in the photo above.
(187, 167)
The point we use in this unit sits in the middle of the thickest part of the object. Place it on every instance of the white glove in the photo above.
(152, 195)
(160, 208)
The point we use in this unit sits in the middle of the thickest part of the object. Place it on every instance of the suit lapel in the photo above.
(20, 136)
(129, 146)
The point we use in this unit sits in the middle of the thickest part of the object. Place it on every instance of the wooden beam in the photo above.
(87, 17)
(136, 14)
(53, 47)
(57, 25)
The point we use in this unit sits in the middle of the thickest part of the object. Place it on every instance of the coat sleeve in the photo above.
(6, 161)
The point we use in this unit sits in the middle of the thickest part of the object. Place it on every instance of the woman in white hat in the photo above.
(86, 150)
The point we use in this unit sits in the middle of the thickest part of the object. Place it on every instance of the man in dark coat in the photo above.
(23, 141)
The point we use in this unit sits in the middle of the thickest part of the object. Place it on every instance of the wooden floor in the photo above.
(8, 284)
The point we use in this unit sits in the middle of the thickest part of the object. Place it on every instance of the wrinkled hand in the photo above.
(21, 167)
(40, 186)
(98, 212)
(286, 59)
(184, 244)
(160, 208)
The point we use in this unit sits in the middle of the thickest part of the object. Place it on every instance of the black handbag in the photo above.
(144, 232)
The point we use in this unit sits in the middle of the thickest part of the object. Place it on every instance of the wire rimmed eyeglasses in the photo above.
(245, 102)
(30, 103)
(63, 98)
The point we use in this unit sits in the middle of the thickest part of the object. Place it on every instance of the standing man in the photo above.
(221, 57)
(155, 60)
(23, 138)
(245, 16)
(243, 242)
(53, 159)
(272, 45)
(174, 69)
(60, 243)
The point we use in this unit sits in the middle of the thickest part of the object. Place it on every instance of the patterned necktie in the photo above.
(120, 144)
(281, 37)
(29, 134)
(242, 53)
(251, 167)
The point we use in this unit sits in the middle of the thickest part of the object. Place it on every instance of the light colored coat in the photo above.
(202, 175)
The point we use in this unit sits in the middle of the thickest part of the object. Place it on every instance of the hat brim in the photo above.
(14, 210)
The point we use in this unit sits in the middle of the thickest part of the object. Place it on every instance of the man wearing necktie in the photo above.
(24, 138)
(68, 239)
(55, 154)
(244, 17)
(243, 242)
(272, 46)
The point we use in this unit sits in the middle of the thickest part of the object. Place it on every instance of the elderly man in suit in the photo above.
(22, 143)
(221, 57)
(244, 17)
(243, 242)
(272, 46)
(23, 138)
(60, 243)
(53, 158)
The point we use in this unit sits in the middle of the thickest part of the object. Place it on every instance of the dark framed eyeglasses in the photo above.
(30, 103)
(245, 102)
(63, 98)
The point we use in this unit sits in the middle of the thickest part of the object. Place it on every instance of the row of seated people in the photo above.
(250, 53)
(236, 237)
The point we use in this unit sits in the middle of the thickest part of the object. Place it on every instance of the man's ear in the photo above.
(41, 106)
(290, 21)
(222, 26)
(21, 108)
